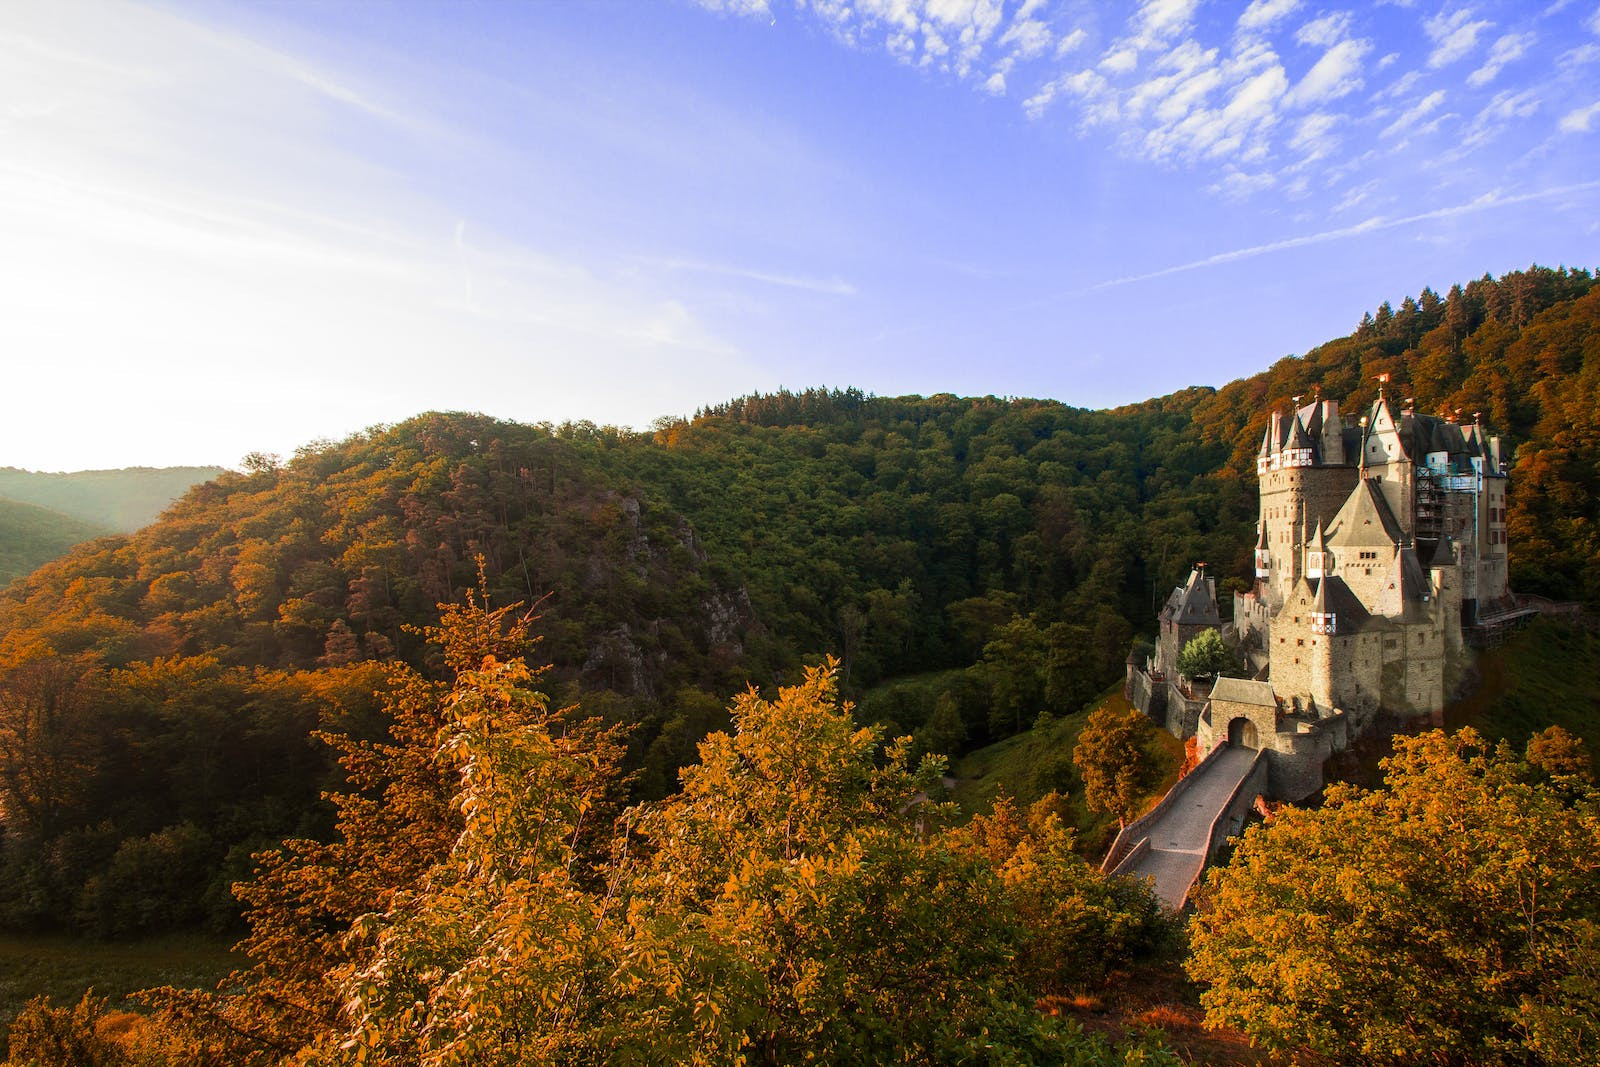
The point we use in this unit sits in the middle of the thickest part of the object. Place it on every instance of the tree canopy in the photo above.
(1450, 914)
(799, 897)
(1207, 655)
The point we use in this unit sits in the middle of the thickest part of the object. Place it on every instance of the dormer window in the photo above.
(1297, 457)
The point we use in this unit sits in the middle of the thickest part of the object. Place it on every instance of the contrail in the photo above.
(1372, 225)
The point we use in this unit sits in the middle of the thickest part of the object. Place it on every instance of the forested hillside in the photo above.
(159, 688)
(31, 535)
(122, 500)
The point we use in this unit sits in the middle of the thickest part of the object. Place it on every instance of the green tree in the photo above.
(944, 733)
(1113, 760)
(1207, 655)
(1451, 912)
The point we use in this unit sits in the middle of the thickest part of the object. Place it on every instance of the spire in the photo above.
(1324, 619)
(1317, 554)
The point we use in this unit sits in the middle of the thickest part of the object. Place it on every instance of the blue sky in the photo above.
(245, 227)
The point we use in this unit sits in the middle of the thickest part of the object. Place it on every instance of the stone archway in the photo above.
(1242, 733)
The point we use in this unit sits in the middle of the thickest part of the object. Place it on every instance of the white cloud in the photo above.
(1355, 197)
(1507, 49)
(1580, 120)
(748, 8)
(1313, 137)
(1454, 35)
(1262, 15)
(1071, 42)
(1324, 31)
(996, 85)
(1240, 185)
(1159, 21)
(1505, 110)
(1120, 60)
(1419, 111)
(1336, 74)
(1402, 85)
(821, 286)
(1028, 37)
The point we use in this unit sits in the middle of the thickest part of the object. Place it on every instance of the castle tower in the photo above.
(1304, 478)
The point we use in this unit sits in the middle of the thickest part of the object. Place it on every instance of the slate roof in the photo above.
(1244, 691)
(1365, 520)
(1333, 595)
(1193, 604)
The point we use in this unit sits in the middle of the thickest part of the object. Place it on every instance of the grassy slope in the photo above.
(121, 500)
(1032, 763)
(63, 968)
(1547, 675)
(31, 535)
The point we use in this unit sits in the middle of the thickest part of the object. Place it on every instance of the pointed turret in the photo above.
(1263, 552)
(1324, 620)
(1317, 554)
(1298, 448)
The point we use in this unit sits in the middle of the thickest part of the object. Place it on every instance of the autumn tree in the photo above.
(1451, 912)
(1077, 925)
(1114, 762)
(500, 951)
(811, 913)
(794, 901)
(393, 822)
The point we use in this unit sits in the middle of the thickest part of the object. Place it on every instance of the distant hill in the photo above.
(31, 536)
(114, 500)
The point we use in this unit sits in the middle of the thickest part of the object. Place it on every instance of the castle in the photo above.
(1380, 547)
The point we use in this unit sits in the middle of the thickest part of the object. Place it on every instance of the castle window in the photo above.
(1300, 641)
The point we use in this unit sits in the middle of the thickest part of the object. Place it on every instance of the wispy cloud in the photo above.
(823, 286)
(1262, 15)
(1508, 49)
(1487, 202)
(1454, 35)
(1580, 120)
(1165, 85)
(1415, 114)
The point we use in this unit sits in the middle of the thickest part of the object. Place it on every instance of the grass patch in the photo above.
(1544, 676)
(62, 968)
(1036, 761)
